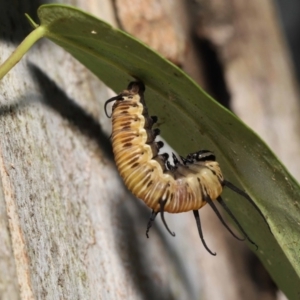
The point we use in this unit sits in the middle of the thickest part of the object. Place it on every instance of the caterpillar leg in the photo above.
(150, 222)
(226, 208)
(162, 209)
(197, 218)
(212, 205)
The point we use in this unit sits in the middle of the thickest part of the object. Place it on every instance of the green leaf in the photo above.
(191, 120)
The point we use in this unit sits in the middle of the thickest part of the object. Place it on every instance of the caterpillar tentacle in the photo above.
(226, 208)
(150, 222)
(211, 204)
(198, 222)
(187, 185)
(162, 206)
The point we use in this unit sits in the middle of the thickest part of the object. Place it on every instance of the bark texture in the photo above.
(68, 227)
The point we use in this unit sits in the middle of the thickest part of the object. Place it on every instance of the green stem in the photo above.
(16, 56)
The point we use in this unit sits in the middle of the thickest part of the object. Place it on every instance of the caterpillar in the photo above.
(188, 184)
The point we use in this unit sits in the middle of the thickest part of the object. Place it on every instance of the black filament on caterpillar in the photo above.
(188, 184)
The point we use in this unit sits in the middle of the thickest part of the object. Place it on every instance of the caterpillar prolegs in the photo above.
(188, 184)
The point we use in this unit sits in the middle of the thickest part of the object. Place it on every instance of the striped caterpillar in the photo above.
(188, 184)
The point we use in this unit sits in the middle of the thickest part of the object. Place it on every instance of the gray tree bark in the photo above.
(68, 227)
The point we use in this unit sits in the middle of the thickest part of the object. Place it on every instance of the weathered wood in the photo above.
(69, 228)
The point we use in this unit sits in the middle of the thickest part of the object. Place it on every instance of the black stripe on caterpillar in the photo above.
(188, 184)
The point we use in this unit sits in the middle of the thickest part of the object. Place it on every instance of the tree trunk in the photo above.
(69, 228)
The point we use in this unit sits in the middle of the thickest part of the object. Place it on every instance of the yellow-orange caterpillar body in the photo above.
(186, 185)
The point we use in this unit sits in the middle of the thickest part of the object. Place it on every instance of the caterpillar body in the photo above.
(188, 184)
